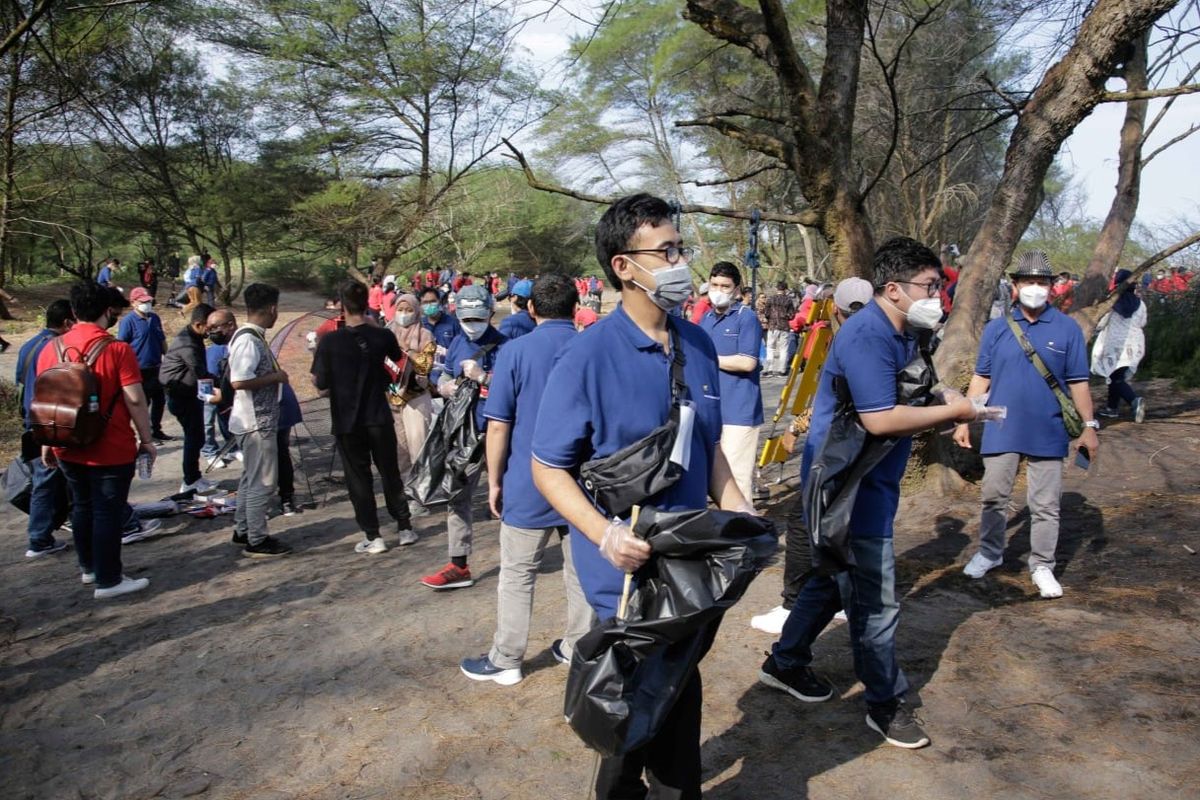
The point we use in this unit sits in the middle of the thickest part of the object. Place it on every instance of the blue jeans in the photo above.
(868, 593)
(99, 508)
(48, 484)
(212, 421)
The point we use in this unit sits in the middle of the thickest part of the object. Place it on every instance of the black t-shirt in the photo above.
(349, 363)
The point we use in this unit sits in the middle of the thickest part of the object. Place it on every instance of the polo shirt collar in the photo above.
(881, 317)
(636, 336)
(1047, 315)
(732, 308)
(550, 324)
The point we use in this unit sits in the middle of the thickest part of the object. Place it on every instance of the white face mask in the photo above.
(925, 314)
(474, 328)
(144, 308)
(406, 318)
(1033, 297)
(671, 285)
(719, 299)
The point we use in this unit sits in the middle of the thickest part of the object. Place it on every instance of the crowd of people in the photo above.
(553, 387)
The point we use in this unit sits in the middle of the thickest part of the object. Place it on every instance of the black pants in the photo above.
(1119, 389)
(359, 448)
(189, 410)
(287, 473)
(155, 397)
(797, 554)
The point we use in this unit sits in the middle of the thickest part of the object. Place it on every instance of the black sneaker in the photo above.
(239, 539)
(801, 683)
(290, 509)
(897, 725)
(267, 548)
(159, 436)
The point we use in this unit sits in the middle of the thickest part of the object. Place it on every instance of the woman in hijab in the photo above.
(1119, 348)
(412, 408)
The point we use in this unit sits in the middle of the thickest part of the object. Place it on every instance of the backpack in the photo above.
(65, 411)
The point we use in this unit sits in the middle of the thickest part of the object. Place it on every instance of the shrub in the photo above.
(1173, 337)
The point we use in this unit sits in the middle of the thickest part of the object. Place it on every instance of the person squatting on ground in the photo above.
(183, 367)
(867, 354)
(849, 296)
(348, 367)
(471, 356)
(528, 522)
(1034, 427)
(257, 381)
(1119, 348)
(737, 335)
(98, 475)
(143, 331)
(412, 409)
(611, 387)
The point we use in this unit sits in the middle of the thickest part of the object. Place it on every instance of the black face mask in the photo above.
(218, 337)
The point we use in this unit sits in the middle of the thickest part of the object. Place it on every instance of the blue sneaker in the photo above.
(560, 655)
(482, 669)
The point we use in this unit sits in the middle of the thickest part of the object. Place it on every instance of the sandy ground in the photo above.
(334, 675)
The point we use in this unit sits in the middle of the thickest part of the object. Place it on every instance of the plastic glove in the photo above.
(622, 549)
(446, 388)
(472, 371)
(986, 413)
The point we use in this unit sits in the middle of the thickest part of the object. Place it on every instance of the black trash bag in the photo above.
(626, 674)
(848, 453)
(18, 490)
(452, 453)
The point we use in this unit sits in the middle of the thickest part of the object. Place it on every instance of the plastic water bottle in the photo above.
(144, 466)
(93, 404)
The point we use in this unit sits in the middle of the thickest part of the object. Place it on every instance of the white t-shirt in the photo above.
(244, 358)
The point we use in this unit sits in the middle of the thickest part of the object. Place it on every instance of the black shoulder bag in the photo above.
(640, 470)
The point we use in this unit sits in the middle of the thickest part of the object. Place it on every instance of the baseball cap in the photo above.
(523, 288)
(585, 317)
(473, 302)
(851, 291)
(140, 295)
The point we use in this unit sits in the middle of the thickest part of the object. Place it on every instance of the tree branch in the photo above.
(1149, 94)
(1195, 127)
(808, 218)
(762, 142)
(739, 178)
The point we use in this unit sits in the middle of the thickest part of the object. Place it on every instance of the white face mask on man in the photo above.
(144, 308)
(474, 328)
(1033, 297)
(719, 299)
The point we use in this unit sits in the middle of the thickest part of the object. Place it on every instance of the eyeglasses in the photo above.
(931, 289)
(671, 253)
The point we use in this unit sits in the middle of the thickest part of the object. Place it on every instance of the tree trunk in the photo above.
(1115, 232)
(1068, 93)
(9, 188)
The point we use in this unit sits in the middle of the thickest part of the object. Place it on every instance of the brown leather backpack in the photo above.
(65, 411)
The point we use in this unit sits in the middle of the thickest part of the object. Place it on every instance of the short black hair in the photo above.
(431, 290)
(901, 259)
(554, 297)
(726, 269)
(115, 298)
(520, 302)
(619, 224)
(59, 313)
(353, 296)
(200, 313)
(260, 296)
(89, 301)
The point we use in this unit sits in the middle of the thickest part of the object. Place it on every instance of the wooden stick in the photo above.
(622, 608)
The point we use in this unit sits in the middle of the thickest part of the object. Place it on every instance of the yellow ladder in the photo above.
(801, 384)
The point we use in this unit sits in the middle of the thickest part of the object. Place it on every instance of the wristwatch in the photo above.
(1092, 423)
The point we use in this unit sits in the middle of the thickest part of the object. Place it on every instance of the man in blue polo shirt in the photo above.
(528, 522)
(518, 322)
(868, 354)
(1034, 426)
(143, 331)
(736, 334)
(472, 355)
(107, 273)
(443, 326)
(611, 387)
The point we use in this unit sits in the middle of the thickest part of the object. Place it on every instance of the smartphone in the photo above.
(1083, 458)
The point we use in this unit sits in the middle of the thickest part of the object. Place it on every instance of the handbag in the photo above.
(623, 479)
(1072, 421)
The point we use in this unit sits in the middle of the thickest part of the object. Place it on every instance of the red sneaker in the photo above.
(449, 577)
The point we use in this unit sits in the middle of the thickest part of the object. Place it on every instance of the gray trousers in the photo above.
(260, 481)
(776, 352)
(1044, 479)
(460, 515)
(521, 551)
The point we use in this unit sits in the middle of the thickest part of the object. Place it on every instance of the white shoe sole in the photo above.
(371, 551)
(445, 586)
(770, 680)
(904, 745)
(502, 678)
(411, 538)
(974, 575)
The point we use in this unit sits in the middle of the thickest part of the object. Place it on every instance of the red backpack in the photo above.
(65, 411)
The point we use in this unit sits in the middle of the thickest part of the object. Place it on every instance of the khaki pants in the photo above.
(740, 445)
(1043, 478)
(412, 423)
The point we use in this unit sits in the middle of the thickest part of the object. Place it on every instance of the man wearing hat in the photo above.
(1034, 428)
(143, 331)
(518, 322)
(471, 356)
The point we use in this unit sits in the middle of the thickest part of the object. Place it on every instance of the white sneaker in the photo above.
(1046, 583)
(87, 578)
(126, 586)
(980, 565)
(372, 546)
(1139, 410)
(840, 617)
(201, 486)
(215, 462)
(772, 621)
(408, 537)
(147, 528)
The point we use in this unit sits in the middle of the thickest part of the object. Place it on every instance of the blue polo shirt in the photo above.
(869, 353)
(444, 331)
(145, 336)
(104, 277)
(1034, 426)
(212, 358)
(517, 325)
(462, 349)
(27, 359)
(209, 277)
(514, 397)
(610, 387)
(737, 332)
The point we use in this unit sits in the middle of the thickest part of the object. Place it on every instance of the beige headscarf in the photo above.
(412, 338)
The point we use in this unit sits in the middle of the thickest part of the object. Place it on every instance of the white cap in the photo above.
(851, 291)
